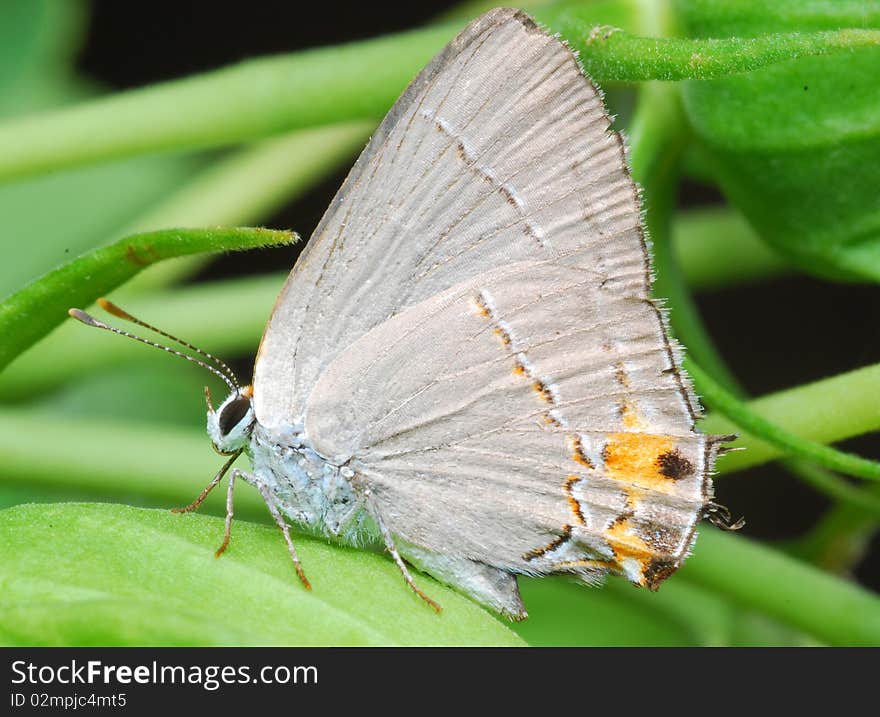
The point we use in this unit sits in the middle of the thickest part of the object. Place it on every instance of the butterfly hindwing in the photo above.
(508, 420)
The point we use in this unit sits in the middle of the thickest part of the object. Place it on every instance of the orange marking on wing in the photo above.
(505, 339)
(573, 502)
(543, 391)
(633, 496)
(633, 458)
(621, 376)
(482, 308)
(578, 454)
(627, 545)
(631, 417)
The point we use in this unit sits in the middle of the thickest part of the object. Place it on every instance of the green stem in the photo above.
(728, 405)
(721, 400)
(863, 503)
(358, 80)
(837, 612)
(715, 248)
(832, 409)
(611, 53)
(246, 188)
(35, 310)
(839, 540)
(250, 100)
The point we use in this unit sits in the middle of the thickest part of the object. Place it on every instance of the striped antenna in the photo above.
(89, 320)
(115, 310)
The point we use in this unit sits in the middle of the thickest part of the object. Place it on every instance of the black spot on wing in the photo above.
(673, 464)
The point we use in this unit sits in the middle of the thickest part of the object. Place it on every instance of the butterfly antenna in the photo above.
(89, 320)
(115, 310)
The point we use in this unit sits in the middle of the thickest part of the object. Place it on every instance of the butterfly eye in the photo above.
(232, 414)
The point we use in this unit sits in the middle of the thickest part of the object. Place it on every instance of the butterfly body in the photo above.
(312, 492)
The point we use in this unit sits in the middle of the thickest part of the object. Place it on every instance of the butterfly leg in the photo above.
(491, 587)
(229, 513)
(208, 488)
(720, 517)
(271, 504)
(392, 548)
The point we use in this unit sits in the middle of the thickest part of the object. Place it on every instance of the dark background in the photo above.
(767, 332)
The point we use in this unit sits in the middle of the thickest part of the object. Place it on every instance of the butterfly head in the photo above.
(230, 426)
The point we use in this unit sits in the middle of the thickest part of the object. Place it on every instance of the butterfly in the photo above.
(466, 366)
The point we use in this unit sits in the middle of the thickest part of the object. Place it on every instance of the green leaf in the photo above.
(563, 612)
(93, 574)
(796, 145)
(31, 313)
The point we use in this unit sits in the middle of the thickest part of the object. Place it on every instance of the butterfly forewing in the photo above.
(498, 152)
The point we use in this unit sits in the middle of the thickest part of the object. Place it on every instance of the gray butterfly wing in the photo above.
(528, 418)
(499, 151)
(470, 328)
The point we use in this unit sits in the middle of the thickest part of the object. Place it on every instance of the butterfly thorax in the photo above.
(311, 491)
